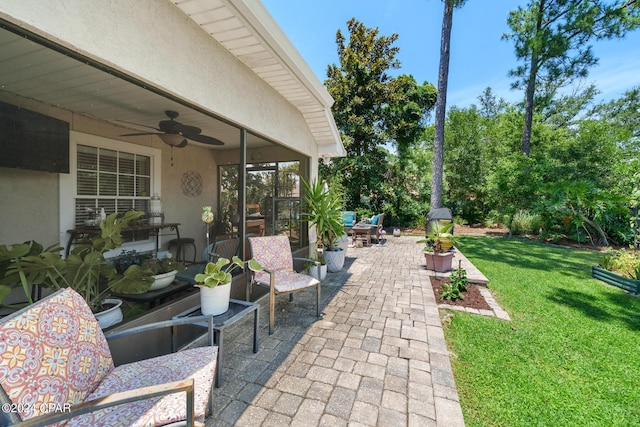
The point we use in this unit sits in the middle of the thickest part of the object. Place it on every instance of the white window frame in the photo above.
(68, 183)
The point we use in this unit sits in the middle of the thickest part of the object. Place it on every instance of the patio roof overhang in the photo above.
(40, 67)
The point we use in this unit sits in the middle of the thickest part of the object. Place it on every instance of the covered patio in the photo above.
(114, 78)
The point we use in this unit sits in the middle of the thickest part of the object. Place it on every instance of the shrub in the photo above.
(626, 263)
(524, 222)
(457, 284)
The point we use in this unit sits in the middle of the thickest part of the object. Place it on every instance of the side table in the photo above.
(361, 232)
(237, 310)
(157, 297)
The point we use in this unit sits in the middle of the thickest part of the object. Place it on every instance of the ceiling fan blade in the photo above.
(204, 139)
(170, 126)
(189, 131)
(182, 144)
(142, 133)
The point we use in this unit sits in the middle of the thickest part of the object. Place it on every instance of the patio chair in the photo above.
(225, 248)
(376, 226)
(349, 220)
(274, 254)
(55, 365)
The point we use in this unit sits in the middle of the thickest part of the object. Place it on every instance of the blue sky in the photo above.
(479, 58)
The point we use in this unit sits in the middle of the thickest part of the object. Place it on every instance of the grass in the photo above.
(569, 357)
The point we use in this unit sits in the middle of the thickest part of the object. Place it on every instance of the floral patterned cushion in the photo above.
(272, 252)
(286, 281)
(52, 352)
(198, 363)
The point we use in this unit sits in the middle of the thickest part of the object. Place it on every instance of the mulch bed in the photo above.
(472, 297)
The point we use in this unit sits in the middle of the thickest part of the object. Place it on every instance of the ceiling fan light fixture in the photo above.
(173, 139)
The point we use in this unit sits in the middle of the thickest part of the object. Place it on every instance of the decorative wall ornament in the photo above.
(191, 183)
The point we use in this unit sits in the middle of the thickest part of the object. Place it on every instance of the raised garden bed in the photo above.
(615, 279)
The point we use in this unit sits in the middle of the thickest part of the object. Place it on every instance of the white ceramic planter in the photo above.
(215, 301)
(163, 280)
(334, 259)
(342, 242)
(111, 316)
(313, 272)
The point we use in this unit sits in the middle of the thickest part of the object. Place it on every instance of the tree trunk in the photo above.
(531, 87)
(441, 107)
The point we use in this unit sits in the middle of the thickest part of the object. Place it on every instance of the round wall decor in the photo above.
(191, 183)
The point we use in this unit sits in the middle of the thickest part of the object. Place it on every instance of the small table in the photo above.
(157, 297)
(237, 310)
(84, 234)
(364, 231)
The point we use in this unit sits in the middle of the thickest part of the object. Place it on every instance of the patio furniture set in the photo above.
(364, 231)
(57, 340)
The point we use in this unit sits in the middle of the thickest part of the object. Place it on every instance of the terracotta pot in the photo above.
(442, 262)
(429, 256)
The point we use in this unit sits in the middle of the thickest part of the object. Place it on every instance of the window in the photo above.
(109, 174)
(117, 181)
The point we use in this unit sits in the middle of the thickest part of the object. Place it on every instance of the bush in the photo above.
(524, 222)
(623, 262)
(457, 284)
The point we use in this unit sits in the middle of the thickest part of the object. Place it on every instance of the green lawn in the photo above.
(569, 357)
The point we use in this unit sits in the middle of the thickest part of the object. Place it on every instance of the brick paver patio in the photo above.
(377, 357)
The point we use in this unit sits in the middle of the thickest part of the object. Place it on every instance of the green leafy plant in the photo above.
(438, 237)
(325, 206)
(85, 270)
(164, 265)
(458, 283)
(623, 262)
(219, 273)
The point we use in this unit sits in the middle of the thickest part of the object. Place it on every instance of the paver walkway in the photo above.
(377, 357)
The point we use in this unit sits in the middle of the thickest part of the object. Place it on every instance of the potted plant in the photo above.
(164, 271)
(311, 271)
(325, 212)
(437, 249)
(86, 270)
(215, 283)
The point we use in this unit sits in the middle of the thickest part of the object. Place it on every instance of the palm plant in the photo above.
(324, 207)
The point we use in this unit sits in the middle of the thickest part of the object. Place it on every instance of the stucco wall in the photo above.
(154, 41)
(29, 200)
(28, 206)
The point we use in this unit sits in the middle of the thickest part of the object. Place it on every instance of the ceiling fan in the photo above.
(175, 133)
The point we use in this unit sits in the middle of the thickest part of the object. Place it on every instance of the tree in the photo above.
(371, 108)
(441, 103)
(552, 36)
(359, 86)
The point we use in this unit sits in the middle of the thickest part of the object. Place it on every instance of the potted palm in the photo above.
(325, 212)
(437, 249)
(215, 283)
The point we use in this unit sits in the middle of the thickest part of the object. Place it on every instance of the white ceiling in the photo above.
(244, 27)
(35, 72)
